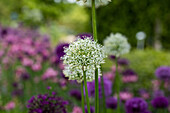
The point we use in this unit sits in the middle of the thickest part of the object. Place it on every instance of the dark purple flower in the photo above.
(15, 85)
(60, 49)
(107, 87)
(25, 76)
(112, 57)
(76, 94)
(17, 92)
(4, 32)
(160, 102)
(163, 72)
(136, 105)
(123, 62)
(111, 103)
(128, 72)
(92, 109)
(85, 35)
(45, 103)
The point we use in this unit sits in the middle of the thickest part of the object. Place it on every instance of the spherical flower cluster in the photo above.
(83, 55)
(160, 102)
(163, 73)
(136, 105)
(97, 2)
(123, 62)
(60, 49)
(45, 103)
(111, 103)
(76, 94)
(116, 44)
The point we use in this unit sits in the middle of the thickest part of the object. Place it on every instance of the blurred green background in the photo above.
(60, 18)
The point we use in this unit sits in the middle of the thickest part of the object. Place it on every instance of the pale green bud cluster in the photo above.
(83, 55)
(116, 44)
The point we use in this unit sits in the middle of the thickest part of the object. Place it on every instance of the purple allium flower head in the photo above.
(4, 32)
(25, 76)
(128, 72)
(46, 103)
(15, 84)
(111, 103)
(60, 49)
(160, 102)
(92, 109)
(85, 35)
(112, 57)
(136, 105)
(163, 72)
(76, 94)
(107, 87)
(123, 62)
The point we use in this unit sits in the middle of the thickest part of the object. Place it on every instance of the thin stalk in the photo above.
(96, 92)
(117, 83)
(103, 95)
(82, 98)
(86, 91)
(94, 23)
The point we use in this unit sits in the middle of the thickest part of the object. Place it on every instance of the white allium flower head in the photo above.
(116, 44)
(83, 55)
(97, 2)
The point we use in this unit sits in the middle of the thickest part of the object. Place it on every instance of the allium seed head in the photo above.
(116, 44)
(83, 55)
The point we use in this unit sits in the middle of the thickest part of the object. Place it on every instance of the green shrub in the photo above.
(145, 63)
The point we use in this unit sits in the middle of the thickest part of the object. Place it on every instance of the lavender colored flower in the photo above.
(158, 93)
(92, 109)
(123, 62)
(46, 103)
(85, 35)
(76, 94)
(111, 103)
(163, 72)
(60, 49)
(136, 105)
(107, 87)
(160, 102)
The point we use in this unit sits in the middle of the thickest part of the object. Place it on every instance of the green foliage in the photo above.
(131, 16)
(145, 63)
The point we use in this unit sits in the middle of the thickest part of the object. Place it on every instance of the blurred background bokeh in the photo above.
(40, 25)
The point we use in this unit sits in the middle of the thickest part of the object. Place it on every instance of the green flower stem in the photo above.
(86, 91)
(96, 92)
(82, 98)
(103, 95)
(94, 21)
(117, 83)
(96, 71)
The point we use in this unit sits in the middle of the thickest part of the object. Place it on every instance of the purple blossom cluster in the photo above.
(136, 105)
(107, 87)
(27, 48)
(45, 103)
(160, 102)
(163, 73)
